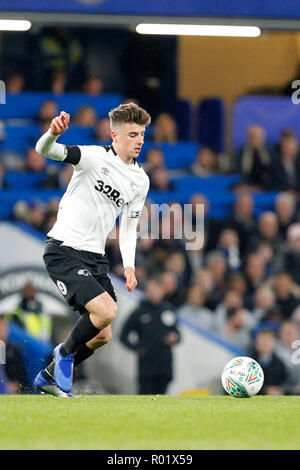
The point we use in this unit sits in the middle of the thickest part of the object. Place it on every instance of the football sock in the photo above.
(83, 332)
(82, 353)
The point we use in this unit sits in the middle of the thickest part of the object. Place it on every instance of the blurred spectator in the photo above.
(58, 81)
(285, 207)
(236, 281)
(32, 213)
(275, 373)
(206, 162)
(51, 214)
(217, 263)
(271, 258)
(160, 180)
(47, 111)
(165, 129)
(30, 316)
(285, 165)
(242, 219)
(194, 311)
(204, 279)
(85, 116)
(174, 290)
(3, 184)
(14, 368)
(255, 271)
(59, 178)
(229, 245)
(291, 258)
(15, 83)
(211, 226)
(154, 159)
(102, 130)
(285, 349)
(151, 331)
(93, 86)
(235, 330)
(35, 162)
(253, 159)
(267, 231)
(264, 300)
(177, 263)
(286, 299)
(156, 258)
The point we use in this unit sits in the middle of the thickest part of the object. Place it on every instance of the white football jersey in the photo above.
(102, 185)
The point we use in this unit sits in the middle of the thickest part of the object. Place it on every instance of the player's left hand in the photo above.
(131, 281)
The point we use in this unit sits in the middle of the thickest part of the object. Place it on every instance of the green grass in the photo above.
(149, 422)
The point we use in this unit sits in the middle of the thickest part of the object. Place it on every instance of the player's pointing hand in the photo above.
(60, 123)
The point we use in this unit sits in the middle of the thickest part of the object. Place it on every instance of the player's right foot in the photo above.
(49, 387)
(63, 370)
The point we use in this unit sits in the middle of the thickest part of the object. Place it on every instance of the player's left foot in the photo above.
(49, 387)
(63, 370)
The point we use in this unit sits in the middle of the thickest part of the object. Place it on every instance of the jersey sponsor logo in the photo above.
(62, 287)
(110, 193)
(84, 272)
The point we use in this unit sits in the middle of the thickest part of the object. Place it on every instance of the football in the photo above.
(242, 377)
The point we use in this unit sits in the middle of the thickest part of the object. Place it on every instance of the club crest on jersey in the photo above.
(84, 272)
(133, 186)
(110, 193)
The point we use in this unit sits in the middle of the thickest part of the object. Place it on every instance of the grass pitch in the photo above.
(148, 422)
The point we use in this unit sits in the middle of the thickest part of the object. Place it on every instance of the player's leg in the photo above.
(84, 351)
(101, 311)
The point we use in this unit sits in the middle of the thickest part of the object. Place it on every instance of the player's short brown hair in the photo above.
(129, 112)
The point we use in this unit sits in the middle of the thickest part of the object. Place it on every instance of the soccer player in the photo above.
(106, 181)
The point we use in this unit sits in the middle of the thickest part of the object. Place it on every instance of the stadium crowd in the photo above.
(243, 284)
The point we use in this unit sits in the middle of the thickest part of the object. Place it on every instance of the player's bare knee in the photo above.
(105, 314)
(109, 315)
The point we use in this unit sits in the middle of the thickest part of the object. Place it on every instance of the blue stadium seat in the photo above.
(177, 156)
(217, 184)
(273, 113)
(211, 123)
(20, 138)
(181, 110)
(27, 104)
(24, 180)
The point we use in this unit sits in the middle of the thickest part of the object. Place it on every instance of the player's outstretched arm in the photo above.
(47, 145)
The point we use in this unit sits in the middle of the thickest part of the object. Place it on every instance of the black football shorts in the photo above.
(79, 275)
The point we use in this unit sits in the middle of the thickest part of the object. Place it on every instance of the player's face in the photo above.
(129, 139)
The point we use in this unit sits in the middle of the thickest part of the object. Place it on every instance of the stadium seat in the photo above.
(181, 110)
(273, 113)
(217, 184)
(27, 104)
(177, 156)
(211, 123)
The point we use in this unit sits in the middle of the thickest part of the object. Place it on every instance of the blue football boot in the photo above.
(49, 387)
(63, 370)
